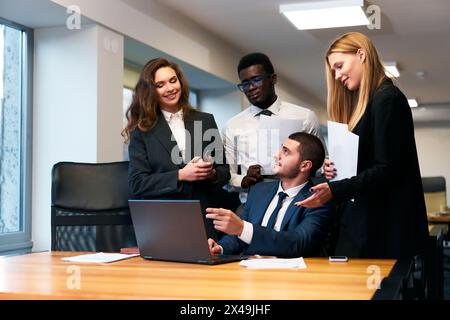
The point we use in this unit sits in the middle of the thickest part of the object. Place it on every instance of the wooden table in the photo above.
(45, 276)
(438, 218)
(438, 223)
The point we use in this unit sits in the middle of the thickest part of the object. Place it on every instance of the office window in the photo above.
(127, 98)
(15, 140)
(193, 99)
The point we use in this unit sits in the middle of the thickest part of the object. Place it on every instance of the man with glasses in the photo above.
(258, 79)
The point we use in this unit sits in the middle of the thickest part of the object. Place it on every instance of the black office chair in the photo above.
(432, 279)
(89, 210)
(435, 193)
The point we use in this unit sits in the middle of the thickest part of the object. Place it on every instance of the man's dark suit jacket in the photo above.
(384, 213)
(153, 174)
(302, 231)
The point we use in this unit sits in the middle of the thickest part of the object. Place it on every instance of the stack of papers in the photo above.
(342, 150)
(100, 257)
(274, 263)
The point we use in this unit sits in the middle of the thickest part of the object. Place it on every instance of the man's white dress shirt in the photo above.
(247, 232)
(240, 136)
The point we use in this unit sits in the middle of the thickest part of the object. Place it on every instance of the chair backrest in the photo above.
(435, 193)
(89, 209)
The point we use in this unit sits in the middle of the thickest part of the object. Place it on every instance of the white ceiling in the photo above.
(36, 13)
(138, 54)
(415, 33)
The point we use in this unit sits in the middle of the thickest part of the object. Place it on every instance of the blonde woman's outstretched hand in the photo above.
(321, 195)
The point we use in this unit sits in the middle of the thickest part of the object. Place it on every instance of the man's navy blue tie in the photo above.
(264, 112)
(273, 216)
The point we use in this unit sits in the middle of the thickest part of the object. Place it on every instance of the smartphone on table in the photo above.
(338, 258)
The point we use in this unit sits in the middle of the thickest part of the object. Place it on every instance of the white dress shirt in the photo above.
(240, 136)
(176, 124)
(247, 232)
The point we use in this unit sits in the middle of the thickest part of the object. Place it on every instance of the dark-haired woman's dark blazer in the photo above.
(384, 214)
(153, 174)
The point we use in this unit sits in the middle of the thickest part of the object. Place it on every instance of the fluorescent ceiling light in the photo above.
(325, 14)
(391, 69)
(413, 103)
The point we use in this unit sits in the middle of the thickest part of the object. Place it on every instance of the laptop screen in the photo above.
(171, 230)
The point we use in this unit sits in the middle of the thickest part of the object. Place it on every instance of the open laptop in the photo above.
(173, 230)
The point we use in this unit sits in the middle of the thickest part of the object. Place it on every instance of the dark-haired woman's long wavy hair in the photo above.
(142, 113)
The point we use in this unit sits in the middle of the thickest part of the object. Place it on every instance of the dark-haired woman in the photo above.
(175, 151)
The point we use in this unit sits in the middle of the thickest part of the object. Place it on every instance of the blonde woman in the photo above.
(383, 207)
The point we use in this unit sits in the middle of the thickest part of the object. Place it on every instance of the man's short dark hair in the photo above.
(256, 58)
(311, 148)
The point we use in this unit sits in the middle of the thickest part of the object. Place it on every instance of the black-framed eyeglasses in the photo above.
(256, 82)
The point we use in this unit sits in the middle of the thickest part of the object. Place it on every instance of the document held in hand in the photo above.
(343, 150)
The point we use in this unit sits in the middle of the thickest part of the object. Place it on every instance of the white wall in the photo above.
(433, 149)
(289, 93)
(77, 112)
(223, 104)
(110, 61)
(166, 30)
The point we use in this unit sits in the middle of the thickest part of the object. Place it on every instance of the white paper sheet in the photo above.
(99, 257)
(343, 150)
(272, 132)
(274, 263)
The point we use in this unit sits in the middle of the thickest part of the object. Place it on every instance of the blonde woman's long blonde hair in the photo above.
(347, 106)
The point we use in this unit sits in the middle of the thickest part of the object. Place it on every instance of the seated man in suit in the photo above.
(271, 224)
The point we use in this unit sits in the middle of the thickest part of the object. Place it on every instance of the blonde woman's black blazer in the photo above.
(383, 207)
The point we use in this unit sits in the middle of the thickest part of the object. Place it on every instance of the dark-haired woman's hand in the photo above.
(196, 170)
